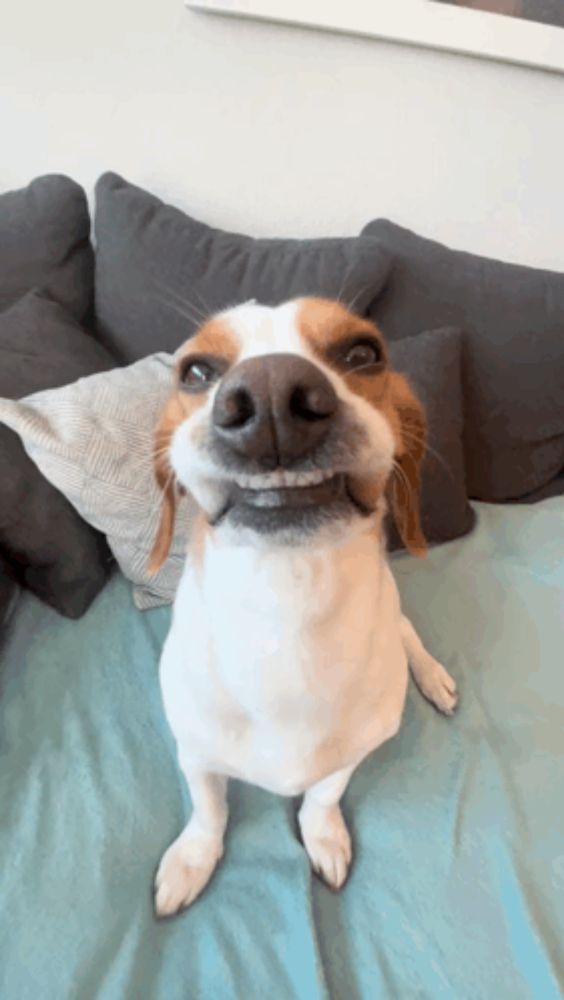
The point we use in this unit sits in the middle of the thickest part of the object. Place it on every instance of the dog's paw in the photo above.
(185, 870)
(328, 844)
(438, 686)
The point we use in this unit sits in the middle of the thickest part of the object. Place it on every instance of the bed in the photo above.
(457, 889)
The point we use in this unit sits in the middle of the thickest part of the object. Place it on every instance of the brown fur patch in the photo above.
(215, 338)
(405, 483)
(323, 324)
(406, 418)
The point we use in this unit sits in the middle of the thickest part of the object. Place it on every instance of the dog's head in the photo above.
(287, 422)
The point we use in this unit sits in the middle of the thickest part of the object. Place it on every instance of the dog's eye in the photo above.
(363, 354)
(198, 374)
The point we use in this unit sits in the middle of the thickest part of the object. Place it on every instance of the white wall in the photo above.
(274, 130)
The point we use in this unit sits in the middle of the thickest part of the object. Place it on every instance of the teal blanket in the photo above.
(457, 889)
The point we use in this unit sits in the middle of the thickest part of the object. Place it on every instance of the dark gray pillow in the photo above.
(432, 363)
(8, 591)
(44, 243)
(159, 273)
(513, 367)
(555, 488)
(49, 548)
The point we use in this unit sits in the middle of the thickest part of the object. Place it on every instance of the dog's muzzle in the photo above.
(276, 429)
(274, 410)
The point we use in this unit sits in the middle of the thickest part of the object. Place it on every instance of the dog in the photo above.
(287, 658)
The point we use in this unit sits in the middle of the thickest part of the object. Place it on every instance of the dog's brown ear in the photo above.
(165, 531)
(166, 482)
(405, 482)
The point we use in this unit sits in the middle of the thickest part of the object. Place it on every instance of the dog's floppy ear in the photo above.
(405, 482)
(166, 481)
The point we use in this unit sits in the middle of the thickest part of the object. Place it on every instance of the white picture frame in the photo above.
(413, 22)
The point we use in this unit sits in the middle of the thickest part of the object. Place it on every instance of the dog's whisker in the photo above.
(359, 368)
(342, 288)
(156, 506)
(403, 478)
(183, 300)
(206, 305)
(173, 300)
(145, 462)
(361, 291)
(181, 310)
(411, 436)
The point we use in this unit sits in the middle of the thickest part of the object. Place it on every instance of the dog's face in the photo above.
(286, 423)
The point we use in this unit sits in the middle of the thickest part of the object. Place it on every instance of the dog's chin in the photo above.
(291, 514)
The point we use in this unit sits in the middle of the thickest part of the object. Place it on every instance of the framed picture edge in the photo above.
(413, 22)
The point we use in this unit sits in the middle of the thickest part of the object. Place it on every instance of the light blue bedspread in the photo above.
(458, 885)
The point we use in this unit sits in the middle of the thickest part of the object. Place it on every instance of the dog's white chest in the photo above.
(281, 668)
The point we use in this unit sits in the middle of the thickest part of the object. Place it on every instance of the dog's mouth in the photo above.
(315, 490)
(281, 500)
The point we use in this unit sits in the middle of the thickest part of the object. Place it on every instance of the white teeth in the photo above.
(282, 478)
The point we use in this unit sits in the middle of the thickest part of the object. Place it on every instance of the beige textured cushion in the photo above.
(93, 441)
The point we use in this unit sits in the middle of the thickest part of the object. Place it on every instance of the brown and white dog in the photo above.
(287, 658)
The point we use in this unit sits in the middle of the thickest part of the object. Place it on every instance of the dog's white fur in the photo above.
(284, 666)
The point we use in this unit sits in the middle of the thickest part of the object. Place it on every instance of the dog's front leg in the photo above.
(188, 864)
(325, 835)
(434, 682)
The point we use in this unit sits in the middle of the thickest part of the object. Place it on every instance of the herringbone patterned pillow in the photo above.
(93, 441)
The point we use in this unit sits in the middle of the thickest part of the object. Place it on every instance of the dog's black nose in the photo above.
(274, 409)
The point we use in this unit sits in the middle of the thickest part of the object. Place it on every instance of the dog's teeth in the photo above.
(282, 478)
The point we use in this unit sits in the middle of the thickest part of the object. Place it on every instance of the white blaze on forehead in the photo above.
(266, 329)
(261, 330)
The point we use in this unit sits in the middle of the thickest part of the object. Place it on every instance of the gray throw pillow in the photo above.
(159, 273)
(51, 550)
(44, 243)
(432, 363)
(93, 441)
(512, 318)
